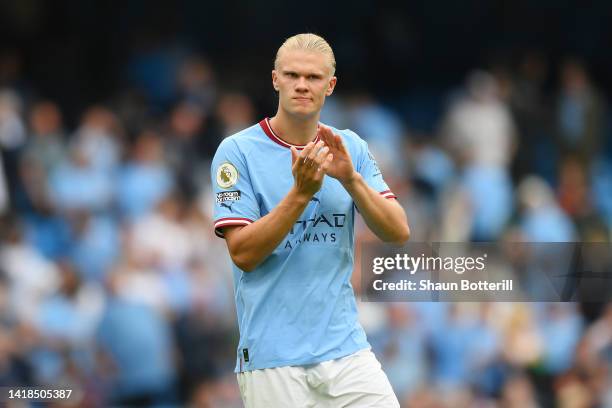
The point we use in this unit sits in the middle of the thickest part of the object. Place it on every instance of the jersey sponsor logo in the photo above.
(331, 220)
(227, 196)
(319, 229)
(314, 237)
(227, 175)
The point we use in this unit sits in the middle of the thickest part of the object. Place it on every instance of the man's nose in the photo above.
(301, 84)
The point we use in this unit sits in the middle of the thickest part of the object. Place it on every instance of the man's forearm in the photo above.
(251, 244)
(385, 217)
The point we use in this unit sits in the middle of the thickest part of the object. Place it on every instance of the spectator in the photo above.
(139, 343)
(145, 178)
(542, 220)
(480, 133)
(66, 322)
(99, 139)
(580, 112)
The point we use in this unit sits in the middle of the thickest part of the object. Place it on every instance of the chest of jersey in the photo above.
(329, 214)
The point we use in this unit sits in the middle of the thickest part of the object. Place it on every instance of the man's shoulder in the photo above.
(242, 139)
(250, 134)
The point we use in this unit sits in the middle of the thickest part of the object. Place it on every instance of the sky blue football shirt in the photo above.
(297, 307)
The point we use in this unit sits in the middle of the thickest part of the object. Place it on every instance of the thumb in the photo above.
(294, 155)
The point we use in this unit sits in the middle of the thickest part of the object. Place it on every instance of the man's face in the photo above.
(303, 79)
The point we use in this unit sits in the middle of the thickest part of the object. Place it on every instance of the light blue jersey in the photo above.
(297, 307)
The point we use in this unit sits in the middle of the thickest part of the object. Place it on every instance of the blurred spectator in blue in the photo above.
(561, 327)
(431, 167)
(95, 244)
(401, 348)
(47, 231)
(468, 344)
(66, 323)
(541, 219)
(99, 139)
(138, 341)
(382, 129)
(76, 184)
(580, 112)
(431, 173)
(480, 133)
(145, 178)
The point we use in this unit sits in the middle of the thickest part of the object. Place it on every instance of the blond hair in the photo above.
(309, 42)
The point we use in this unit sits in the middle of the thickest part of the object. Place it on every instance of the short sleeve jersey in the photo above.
(297, 307)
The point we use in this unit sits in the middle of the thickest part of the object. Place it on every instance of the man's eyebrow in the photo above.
(289, 71)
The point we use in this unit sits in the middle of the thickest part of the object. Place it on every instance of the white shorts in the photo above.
(352, 381)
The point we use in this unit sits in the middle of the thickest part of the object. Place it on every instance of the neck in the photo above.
(295, 130)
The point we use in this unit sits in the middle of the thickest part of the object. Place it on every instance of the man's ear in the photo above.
(332, 85)
(274, 79)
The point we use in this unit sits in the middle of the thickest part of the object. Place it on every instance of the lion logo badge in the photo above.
(227, 175)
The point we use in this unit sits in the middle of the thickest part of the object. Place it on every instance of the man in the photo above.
(286, 193)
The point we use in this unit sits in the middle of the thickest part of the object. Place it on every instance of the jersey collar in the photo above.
(265, 125)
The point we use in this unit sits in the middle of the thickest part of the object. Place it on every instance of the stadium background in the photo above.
(490, 121)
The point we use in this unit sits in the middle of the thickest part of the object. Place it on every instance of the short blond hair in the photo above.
(309, 42)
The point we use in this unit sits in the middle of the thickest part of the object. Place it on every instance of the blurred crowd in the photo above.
(113, 283)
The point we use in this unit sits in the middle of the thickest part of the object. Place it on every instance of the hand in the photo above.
(342, 166)
(309, 167)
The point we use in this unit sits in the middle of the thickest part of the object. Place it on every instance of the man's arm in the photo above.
(385, 217)
(250, 245)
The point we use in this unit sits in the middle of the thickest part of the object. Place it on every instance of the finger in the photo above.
(338, 142)
(325, 134)
(314, 153)
(306, 150)
(317, 161)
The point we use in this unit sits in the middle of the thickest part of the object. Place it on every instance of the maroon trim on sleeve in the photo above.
(232, 221)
